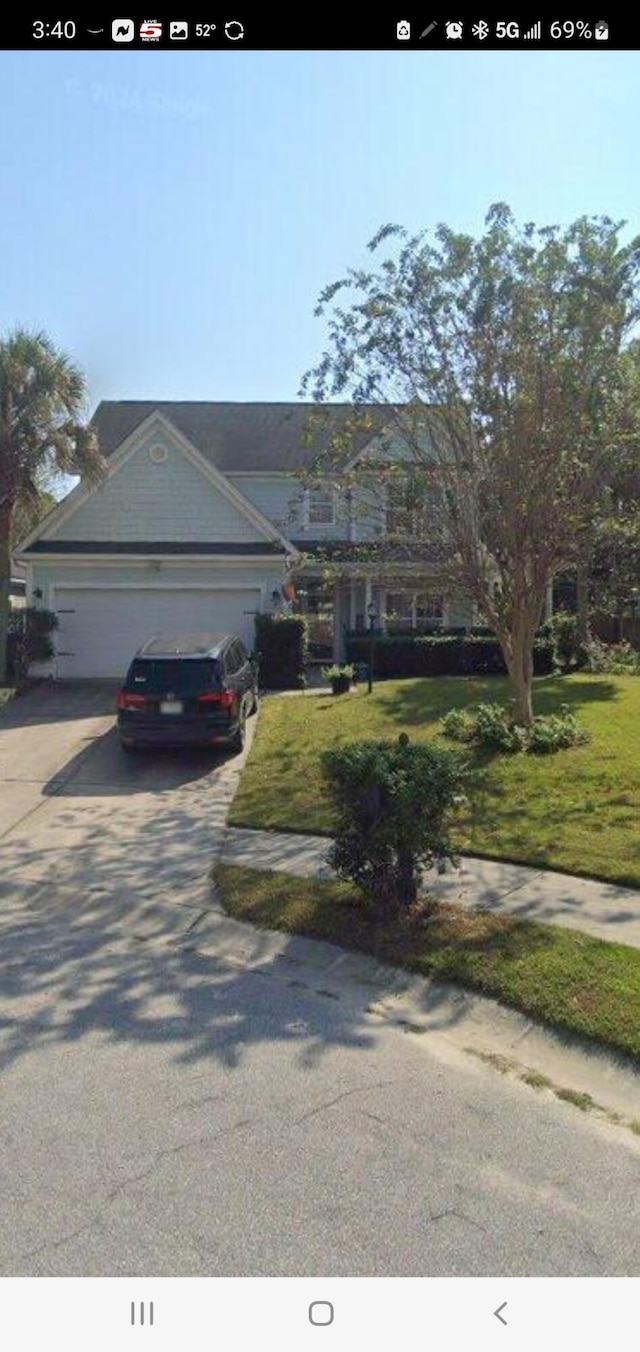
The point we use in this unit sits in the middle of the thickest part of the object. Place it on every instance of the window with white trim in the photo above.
(405, 507)
(414, 610)
(320, 505)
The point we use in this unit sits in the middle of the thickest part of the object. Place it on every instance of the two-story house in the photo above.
(203, 519)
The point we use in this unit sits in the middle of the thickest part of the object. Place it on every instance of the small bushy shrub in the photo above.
(29, 639)
(614, 659)
(561, 629)
(492, 726)
(281, 647)
(496, 729)
(554, 732)
(391, 802)
(338, 670)
(459, 725)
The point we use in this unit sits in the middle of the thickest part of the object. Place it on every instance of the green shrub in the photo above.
(616, 659)
(392, 802)
(334, 672)
(281, 648)
(492, 726)
(442, 654)
(561, 629)
(29, 639)
(496, 729)
(553, 732)
(459, 725)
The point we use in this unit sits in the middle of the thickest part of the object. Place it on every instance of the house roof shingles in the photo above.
(237, 436)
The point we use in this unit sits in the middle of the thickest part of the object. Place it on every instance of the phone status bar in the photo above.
(402, 31)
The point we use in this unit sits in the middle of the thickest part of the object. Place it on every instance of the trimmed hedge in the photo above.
(440, 655)
(29, 640)
(281, 649)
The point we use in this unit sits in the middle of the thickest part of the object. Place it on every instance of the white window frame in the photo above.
(408, 531)
(330, 500)
(409, 622)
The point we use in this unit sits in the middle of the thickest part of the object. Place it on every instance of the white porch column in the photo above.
(352, 604)
(367, 599)
(337, 623)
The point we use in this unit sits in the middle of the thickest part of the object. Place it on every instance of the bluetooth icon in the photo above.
(481, 30)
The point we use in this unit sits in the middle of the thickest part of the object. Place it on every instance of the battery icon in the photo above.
(601, 31)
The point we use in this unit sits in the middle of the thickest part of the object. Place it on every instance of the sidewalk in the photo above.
(600, 909)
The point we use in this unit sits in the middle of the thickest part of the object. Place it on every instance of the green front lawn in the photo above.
(560, 977)
(578, 810)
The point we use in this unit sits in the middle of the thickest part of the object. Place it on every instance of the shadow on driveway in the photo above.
(102, 890)
(103, 767)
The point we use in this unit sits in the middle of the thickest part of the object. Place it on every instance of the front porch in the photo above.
(352, 604)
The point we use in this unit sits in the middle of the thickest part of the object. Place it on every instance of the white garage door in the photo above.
(100, 630)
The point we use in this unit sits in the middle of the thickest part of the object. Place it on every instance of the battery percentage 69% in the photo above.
(571, 28)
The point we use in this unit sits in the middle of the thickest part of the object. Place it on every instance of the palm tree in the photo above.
(42, 394)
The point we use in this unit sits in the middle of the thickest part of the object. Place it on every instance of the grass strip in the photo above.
(559, 977)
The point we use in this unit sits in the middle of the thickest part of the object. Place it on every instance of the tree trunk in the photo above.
(523, 697)
(519, 659)
(6, 514)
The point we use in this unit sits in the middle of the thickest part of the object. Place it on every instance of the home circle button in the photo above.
(321, 1312)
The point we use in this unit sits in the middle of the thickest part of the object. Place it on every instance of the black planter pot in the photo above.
(340, 685)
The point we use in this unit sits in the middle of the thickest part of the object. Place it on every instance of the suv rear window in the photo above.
(191, 676)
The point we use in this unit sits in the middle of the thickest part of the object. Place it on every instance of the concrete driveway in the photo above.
(114, 834)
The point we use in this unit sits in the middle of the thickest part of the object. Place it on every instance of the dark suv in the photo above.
(195, 690)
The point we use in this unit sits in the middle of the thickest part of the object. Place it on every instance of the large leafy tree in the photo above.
(496, 361)
(42, 396)
(613, 583)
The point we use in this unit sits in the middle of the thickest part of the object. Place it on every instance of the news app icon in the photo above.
(178, 32)
(150, 30)
(122, 30)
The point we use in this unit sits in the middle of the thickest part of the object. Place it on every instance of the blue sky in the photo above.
(170, 218)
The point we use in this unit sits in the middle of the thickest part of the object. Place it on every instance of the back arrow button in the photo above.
(497, 1312)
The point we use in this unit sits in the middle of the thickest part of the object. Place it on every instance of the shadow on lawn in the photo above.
(427, 699)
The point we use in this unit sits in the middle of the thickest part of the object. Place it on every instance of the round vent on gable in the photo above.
(158, 454)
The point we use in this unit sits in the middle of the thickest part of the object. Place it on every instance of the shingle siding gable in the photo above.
(169, 500)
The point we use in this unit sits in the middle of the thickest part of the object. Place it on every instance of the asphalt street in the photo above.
(170, 1111)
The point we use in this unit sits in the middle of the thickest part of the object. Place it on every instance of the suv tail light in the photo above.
(126, 700)
(223, 698)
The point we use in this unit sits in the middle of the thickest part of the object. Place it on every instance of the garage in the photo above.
(100, 628)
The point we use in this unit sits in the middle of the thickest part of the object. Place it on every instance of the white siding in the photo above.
(270, 493)
(211, 572)
(281, 498)
(143, 500)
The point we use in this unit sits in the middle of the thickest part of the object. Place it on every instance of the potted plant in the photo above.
(339, 677)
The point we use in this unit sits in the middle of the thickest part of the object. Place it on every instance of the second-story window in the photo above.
(320, 505)
(405, 507)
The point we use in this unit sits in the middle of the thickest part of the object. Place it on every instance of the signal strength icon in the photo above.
(534, 34)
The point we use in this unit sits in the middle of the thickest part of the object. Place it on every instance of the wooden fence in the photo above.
(613, 629)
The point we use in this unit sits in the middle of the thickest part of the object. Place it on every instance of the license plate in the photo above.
(171, 706)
